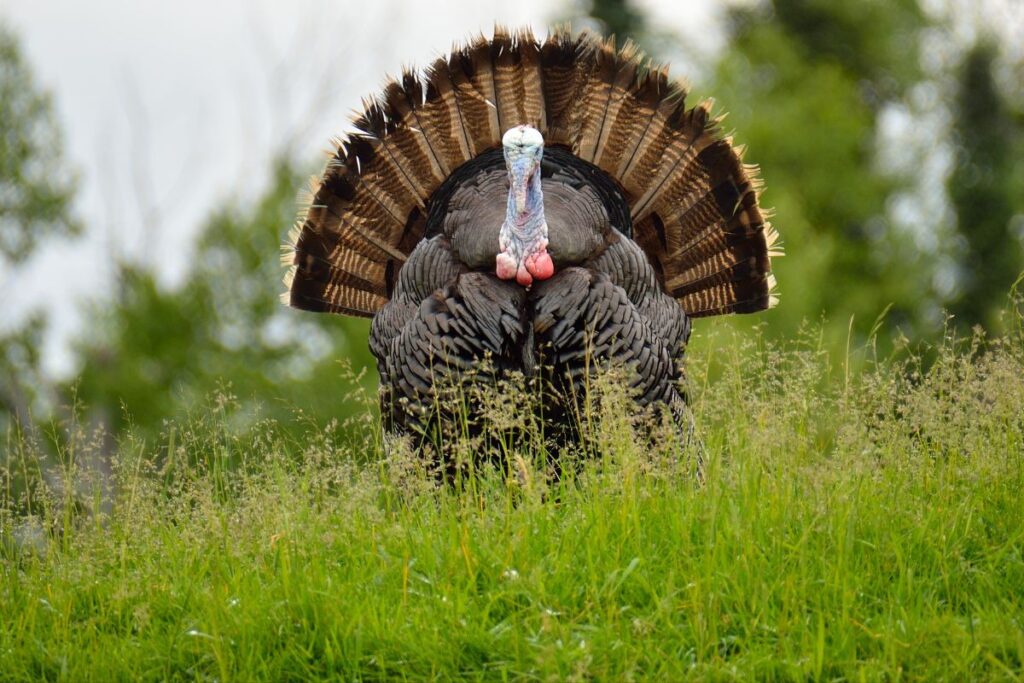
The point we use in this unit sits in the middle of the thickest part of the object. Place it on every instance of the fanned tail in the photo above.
(693, 203)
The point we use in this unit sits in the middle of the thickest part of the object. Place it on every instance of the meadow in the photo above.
(859, 518)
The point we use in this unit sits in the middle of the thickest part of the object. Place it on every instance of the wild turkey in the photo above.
(547, 207)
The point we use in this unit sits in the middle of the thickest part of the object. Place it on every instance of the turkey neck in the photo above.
(525, 213)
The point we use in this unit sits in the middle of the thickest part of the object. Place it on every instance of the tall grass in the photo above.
(860, 519)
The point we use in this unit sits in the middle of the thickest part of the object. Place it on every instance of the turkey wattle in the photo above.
(544, 207)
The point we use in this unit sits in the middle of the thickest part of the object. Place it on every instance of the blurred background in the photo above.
(151, 153)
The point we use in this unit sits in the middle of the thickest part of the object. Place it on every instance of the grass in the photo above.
(856, 523)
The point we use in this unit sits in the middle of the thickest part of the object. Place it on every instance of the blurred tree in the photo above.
(984, 189)
(804, 82)
(36, 191)
(21, 378)
(618, 17)
(152, 354)
(36, 186)
(875, 42)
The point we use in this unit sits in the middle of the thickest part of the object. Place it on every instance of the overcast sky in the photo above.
(169, 108)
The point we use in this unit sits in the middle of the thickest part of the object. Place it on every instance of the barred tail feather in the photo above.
(694, 204)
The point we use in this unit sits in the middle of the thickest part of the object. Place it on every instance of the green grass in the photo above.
(855, 524)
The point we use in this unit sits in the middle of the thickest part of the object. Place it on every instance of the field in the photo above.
(859, 519)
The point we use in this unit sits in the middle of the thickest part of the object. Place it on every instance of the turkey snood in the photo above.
(523, 239)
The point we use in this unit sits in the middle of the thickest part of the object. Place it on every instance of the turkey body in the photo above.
(649, 217)
(449, 313)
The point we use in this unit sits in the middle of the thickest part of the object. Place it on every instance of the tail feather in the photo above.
(508, 73)
(533, 109)
(597, 94)
(683, 136)
(623, 113)
(731, 297)
(715, 262)
(694, 204)
(481, 80)
(408, 104)
(562, 62)
(344, 208)
(441, 116)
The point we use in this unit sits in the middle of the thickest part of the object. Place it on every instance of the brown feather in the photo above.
(561, 63)
(441, 116)
(592, 102)
(528, 50)
(694, 203)
(481, 80)
(507, 71)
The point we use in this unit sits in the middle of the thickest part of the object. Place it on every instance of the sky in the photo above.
(169, 109)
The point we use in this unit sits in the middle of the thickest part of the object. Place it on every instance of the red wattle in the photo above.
(540, 265)
(505, 267)
(523, 277)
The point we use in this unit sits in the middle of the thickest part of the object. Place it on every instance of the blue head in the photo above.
(523, 238)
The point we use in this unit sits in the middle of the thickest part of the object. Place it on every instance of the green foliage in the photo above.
(21, 380)
(875, 41)
(36, 191)
(803, 89)
(619, 18)
(36, 187)
(852, 525)
(154, 353)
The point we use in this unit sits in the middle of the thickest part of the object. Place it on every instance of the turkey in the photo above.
(538, 208)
